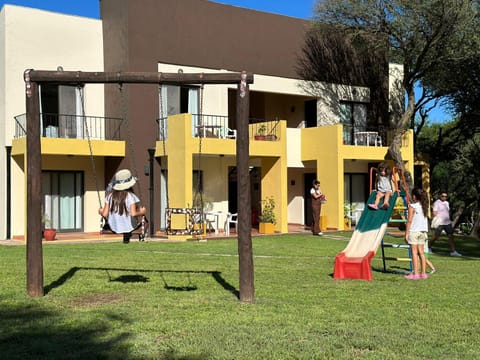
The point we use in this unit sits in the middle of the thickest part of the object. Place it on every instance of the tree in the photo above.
(454, 151)
(420, 35)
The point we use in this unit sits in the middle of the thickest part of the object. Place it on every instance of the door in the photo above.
(308, 181)
(180, 100)
(63, 199)
(311, 113)
(62, 111)
(356, 192)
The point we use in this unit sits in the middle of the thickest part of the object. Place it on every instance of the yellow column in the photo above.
(274, 180)
(179, 162)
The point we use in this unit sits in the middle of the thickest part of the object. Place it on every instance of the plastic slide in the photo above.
(354, 261)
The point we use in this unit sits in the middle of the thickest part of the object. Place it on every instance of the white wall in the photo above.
(41, 40)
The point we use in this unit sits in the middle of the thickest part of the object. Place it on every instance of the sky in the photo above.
(90, 8)
(296, 8)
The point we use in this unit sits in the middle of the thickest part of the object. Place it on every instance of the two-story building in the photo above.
(180, 140)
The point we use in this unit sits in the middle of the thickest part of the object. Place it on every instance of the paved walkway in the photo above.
(70, 238)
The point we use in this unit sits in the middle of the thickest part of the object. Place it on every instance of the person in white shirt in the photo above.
(317, 197)
(416, 233)
(121, 205)
(441, 210)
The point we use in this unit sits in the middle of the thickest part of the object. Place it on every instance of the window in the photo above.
(63, 199)
(353, 117)
(179, 100)
(62, 111)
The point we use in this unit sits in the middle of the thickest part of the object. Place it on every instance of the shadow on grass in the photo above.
(217, 276)
(468, 246)
(30, 332)
(393, 270)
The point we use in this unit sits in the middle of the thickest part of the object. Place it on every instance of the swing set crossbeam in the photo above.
(76, 77)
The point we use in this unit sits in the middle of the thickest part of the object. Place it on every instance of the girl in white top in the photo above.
(384, 188)
(416, 233)
(122, 204)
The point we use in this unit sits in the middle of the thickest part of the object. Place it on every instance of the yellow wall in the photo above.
(181, 150)
(324, 146)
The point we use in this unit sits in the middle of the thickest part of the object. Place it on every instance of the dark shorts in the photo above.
(448, 229)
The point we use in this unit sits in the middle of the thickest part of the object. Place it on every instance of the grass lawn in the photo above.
(157, 300)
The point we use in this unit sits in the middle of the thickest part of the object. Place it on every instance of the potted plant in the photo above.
(347, 216)
(261, 130)
(49, 233)
(267, 218)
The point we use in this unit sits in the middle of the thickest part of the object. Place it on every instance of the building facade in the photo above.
(180, 141)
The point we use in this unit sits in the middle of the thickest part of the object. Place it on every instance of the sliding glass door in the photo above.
(63, 199)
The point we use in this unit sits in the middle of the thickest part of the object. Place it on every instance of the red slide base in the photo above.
(353, 267)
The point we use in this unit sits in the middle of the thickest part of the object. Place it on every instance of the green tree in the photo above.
(420, 35)
(454, 153)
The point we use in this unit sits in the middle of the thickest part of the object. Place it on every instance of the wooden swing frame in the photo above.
(33, 225)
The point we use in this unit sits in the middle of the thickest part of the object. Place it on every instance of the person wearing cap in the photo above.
(122, 204)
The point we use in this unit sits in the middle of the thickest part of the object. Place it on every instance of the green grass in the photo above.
(178, 301)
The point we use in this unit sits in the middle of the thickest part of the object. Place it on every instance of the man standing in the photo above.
(441, 209)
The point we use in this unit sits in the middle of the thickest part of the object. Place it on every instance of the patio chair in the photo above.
(231, 219)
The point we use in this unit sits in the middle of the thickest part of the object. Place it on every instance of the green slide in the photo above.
(354, 261)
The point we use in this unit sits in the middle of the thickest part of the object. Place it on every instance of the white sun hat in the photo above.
(124, 180)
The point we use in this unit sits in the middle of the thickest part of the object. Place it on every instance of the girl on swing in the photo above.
(121, 205)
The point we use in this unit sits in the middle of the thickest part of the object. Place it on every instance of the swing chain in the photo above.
(163, 127)
(131, 158)
(198, 189)
(92, 159)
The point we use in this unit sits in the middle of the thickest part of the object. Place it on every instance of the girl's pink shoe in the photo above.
(423, 276)
(373, 206)
(412, 277)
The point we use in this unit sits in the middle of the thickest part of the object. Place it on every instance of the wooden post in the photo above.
(33, 224)
(245, 254)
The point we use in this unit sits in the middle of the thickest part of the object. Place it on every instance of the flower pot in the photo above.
(266, 228)
(259, 137)
(49, 234)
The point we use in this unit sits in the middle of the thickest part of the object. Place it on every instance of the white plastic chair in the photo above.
(231, 219)
(228, 133)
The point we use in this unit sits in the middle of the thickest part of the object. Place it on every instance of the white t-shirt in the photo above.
(122, 223)
(442, 209)
(419, 221)
(384, 184)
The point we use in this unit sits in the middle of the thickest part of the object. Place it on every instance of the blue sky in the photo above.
(296, 8)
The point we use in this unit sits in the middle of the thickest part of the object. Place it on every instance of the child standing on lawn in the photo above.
(383, 183)
(416, 233)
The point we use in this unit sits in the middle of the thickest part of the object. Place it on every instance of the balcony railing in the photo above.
(216, 126)
(360, 136)
(74, 127)
(264, 130)
(210, 126)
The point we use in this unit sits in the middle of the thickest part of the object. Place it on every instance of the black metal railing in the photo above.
(264, 130)
(217, 126)
(74, 127)
(203, 125)
(361, 136)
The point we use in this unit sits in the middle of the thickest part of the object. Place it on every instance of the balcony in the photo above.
(64, 126)
(217, 127)
(74, 135)
(359, 136)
